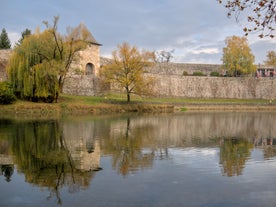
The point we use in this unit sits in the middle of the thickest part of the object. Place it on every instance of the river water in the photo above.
(189, 159)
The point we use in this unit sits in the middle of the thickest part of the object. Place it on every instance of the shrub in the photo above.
(6, 93)
(198, 73)
(214, 73)
(185, 73)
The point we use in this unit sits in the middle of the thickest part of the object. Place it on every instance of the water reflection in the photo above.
(47, 159)
(125, 145)
(234, 152)
(7, 171)
(66, 154)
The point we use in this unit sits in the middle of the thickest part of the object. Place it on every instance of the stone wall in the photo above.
(4, 58)
(179, 68)
(88, 56)
(169, 82)
(214, 87)
(80, 85)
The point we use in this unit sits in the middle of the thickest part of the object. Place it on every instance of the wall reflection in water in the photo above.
(66, 153)
(48, 159)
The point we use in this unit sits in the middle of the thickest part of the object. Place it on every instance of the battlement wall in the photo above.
(214, 87)
(179, 68)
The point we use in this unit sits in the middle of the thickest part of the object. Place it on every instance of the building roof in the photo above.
(82, 33)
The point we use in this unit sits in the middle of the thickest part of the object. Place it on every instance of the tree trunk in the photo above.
(128, 97)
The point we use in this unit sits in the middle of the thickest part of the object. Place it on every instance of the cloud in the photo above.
(261, 47)
(13, 37)
(206, 51)
(195, 29)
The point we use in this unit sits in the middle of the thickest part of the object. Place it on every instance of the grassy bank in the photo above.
(112, 103)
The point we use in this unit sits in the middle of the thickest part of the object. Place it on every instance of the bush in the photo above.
(214, 73)
(6, 93)
(185, 73)
(198, 73)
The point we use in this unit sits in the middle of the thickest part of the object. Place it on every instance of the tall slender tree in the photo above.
(237, 56)
(271, 58)
(5, 42)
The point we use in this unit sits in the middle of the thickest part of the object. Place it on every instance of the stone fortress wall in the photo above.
(214, 87)
(4, 58)
(83, 79)
(179, 68)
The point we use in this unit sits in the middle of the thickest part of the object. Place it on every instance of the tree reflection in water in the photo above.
(126, 147)
(41, 153)
(7, 171)
(59, 154)
(234, 152)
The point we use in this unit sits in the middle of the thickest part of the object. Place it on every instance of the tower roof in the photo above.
(82, 33)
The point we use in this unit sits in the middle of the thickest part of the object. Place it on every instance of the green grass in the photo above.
(121, 99)
(115, 103)
(134, 98)
(90, 100)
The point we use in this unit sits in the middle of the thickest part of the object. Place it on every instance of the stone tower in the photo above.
(83, 75)
(87, 61)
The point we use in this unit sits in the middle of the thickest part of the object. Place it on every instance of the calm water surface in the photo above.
(192, 159)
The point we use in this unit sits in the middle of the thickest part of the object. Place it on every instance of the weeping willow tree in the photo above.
(32, 72)
(39, 65)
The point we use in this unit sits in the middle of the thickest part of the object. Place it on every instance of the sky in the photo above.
(196, 30)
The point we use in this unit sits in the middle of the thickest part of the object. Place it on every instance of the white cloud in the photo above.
(13, 37)
(206, 51)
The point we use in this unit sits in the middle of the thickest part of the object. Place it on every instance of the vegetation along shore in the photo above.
(85, 105)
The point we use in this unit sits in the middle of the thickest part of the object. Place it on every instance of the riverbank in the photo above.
(116, 104)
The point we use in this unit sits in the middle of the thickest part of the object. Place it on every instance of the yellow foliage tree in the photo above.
(127, 68)
(271, 58)
(237, 56)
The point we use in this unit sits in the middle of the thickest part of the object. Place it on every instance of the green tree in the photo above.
(24, 34)
(127, 69)
(237, 56)
(39, 65)
(261, 14)
(6, 93)
(5, 43)
(271, 58)
(33, 69)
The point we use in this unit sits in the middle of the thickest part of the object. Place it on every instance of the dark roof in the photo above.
(82, 33)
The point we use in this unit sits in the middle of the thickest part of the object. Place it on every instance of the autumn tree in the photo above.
(261, 14)
(127, 68)
(5, 42)
(237, 56)
(271, 58)
(39, 64)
